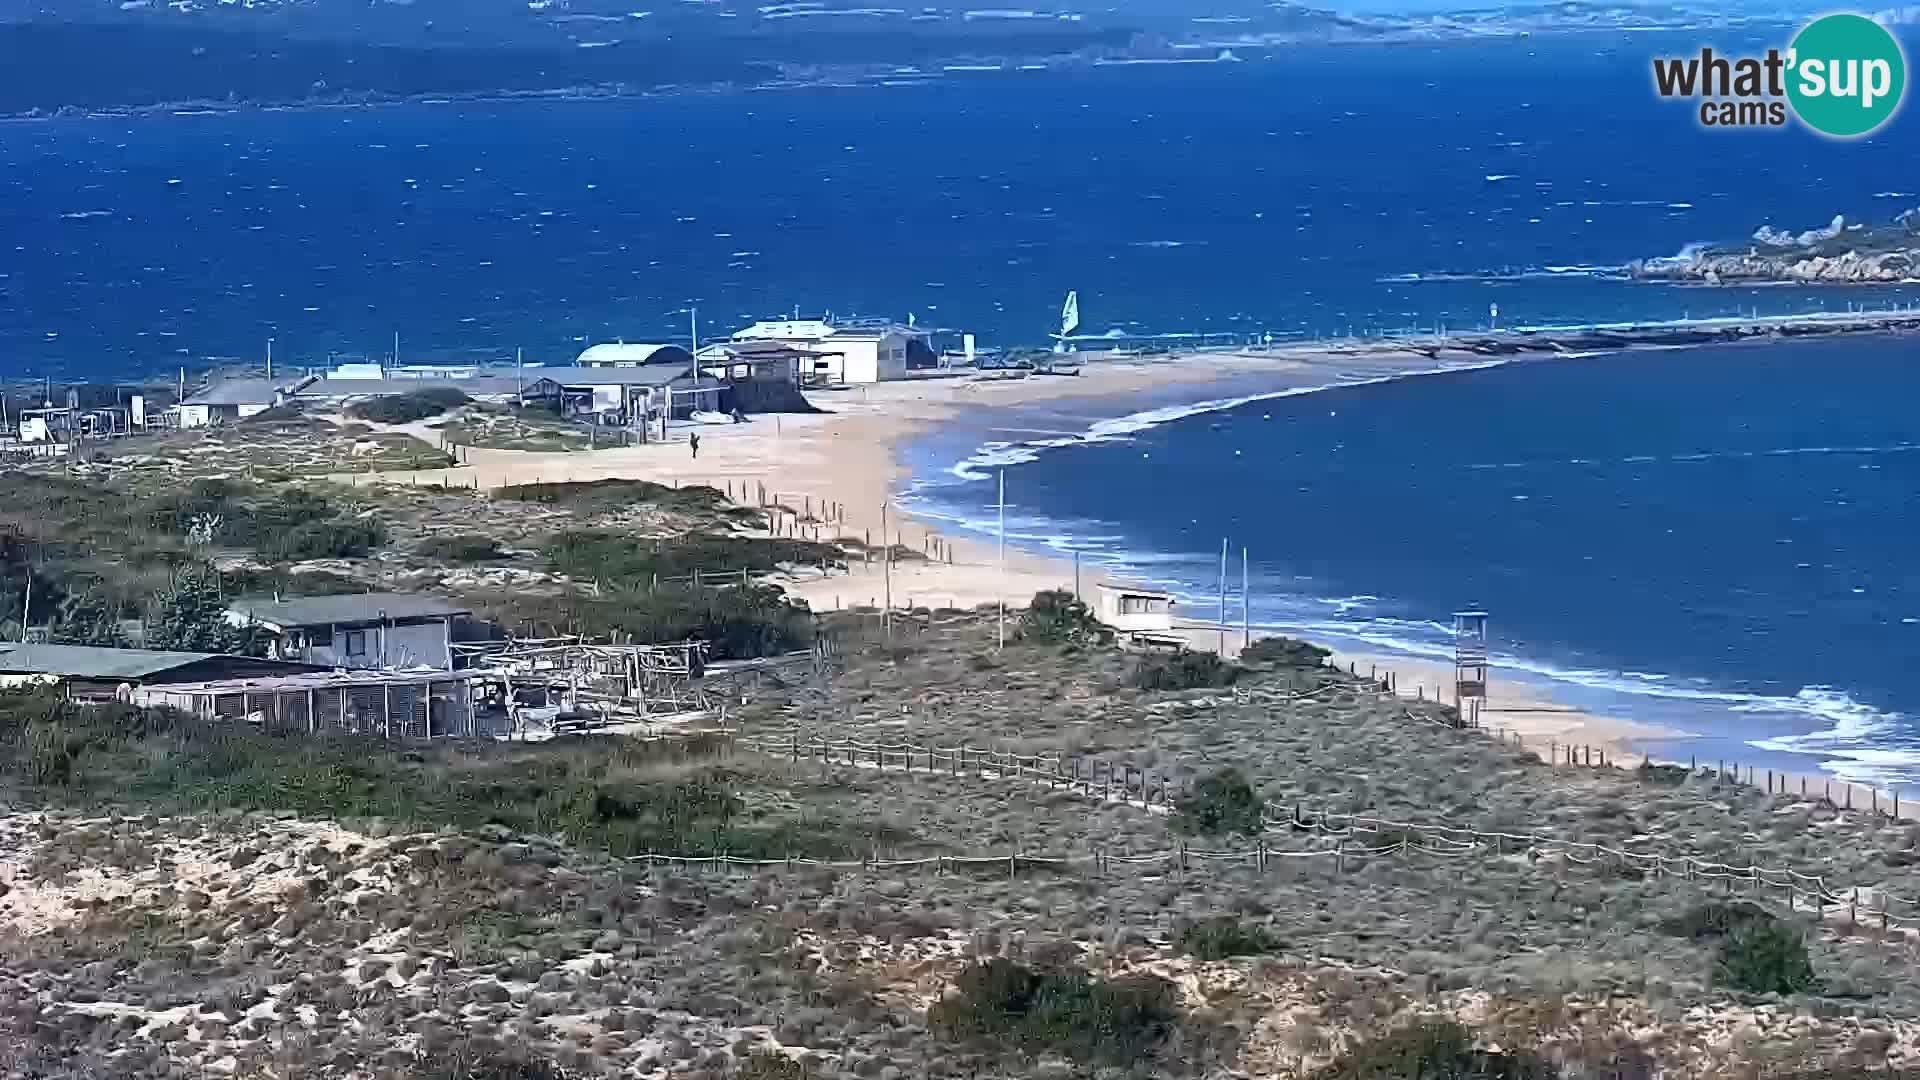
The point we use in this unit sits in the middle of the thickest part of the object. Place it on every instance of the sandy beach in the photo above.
(847, 457)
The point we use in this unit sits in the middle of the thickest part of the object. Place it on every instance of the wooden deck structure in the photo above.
(413, 706)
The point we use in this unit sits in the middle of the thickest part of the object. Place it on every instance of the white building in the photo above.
(1135, 611)
(862, 352)
(356, 630)
(623, 355)
(235, 399)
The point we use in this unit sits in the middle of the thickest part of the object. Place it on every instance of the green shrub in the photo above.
(409, 407)
(1057, 617)
(1114, 1021)
(1221, 803)
(461, 548)
(1662, 775)
(327, 540)
(612, 557)
(1186, 669)
(609, 496)
(1433, 1050)
(768, 1065)
(1714, 918)
(1223, 937)
(736, 623)
(1764, 957)
(1285, 652)
(624, 798)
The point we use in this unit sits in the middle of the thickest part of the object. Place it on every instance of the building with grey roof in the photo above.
(236, 399)
(89, 671)
(356, 630)
(494, 387)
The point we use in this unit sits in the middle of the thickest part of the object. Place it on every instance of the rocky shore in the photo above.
(1842, 253)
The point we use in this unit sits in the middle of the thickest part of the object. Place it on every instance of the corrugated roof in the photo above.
(239, 392)
(478, 386)
(93, 662)
(345, 608)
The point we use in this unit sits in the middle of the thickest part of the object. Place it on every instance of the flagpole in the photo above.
(1246, 599)
(1223, 596)
(1003, 559)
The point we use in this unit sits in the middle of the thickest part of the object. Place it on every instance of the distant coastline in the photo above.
(571, 70)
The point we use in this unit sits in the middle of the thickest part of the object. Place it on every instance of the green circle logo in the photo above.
(1846, 75)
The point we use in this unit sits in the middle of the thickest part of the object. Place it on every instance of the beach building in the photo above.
(336, 390)
(627, 385)
(1145, 615)
(763, 361)
(634, 396)
(390, 631)
(90, 672)
(413, 706)
(854, 352)
(236, 399)
(624, 355)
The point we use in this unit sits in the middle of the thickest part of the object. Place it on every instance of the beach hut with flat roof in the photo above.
(356, 630)
(92, 672)
(1134, 610)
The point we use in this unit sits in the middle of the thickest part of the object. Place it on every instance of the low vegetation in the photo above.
(1434, 1050)
(623, 797)
(532, 429)
(611, 557)
(1067, 1011)
(1284, 652)
(461, 548)
(1057, 617)
(612, 496)
(410, 407)
(1758, 954)
(1186, 669)
(736, 623)
(1765, 957)
(1223, 937)
(1220, 804)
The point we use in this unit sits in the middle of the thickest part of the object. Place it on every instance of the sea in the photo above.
(1715, 539)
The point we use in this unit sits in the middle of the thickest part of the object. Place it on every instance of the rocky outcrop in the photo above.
(1847, 268)
(1839, 254)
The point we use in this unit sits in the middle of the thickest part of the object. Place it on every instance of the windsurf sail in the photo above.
(1070, 314)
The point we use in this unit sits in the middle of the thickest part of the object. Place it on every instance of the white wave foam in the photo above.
(81, 215)
(1530, 273)
(1849, 721)
(994, 455)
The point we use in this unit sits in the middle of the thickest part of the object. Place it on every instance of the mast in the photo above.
(1002, 589)
(1223, 596)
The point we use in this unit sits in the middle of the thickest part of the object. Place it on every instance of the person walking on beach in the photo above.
(694, 441)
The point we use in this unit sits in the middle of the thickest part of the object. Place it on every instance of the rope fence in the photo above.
(1099, 780)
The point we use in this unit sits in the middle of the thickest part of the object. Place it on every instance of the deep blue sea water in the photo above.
(1664, 531)
(1289, 196)
(1718, 539)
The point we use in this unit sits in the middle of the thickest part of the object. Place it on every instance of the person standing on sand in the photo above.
(694, 441)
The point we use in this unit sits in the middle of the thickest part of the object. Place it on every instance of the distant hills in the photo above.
(131, 54)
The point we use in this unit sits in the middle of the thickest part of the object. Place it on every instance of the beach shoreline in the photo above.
(839, 474)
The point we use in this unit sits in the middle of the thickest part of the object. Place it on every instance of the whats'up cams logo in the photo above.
(1843, 76)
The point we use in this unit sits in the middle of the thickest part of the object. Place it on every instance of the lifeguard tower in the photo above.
(1470, 665)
